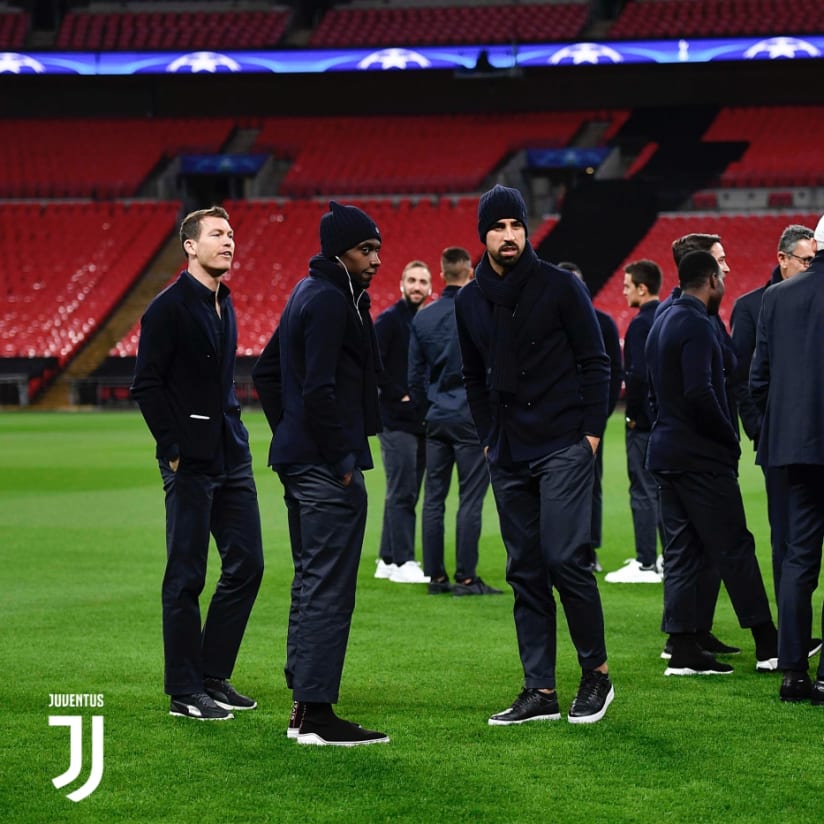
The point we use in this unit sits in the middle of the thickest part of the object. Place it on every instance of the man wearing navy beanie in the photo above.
(537, 380)
(317, 383)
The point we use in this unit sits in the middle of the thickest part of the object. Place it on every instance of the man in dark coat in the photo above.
(451, 440)
(403, 447)
(693, 451)
(184, 386)
(642, 283)
(317, 383)
(795, 253)
(786, 383)
(537, 380)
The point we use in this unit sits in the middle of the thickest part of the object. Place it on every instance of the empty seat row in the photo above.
(104, 157)
(68, 265)
(173, 30)
(418, 26)
(717, 18)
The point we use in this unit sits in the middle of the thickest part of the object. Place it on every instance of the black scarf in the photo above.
(504, 293)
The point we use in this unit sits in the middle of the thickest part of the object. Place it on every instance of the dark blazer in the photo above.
(612, 345)
(733, 377)
(435, 361)
(183, 384)
(313, 377)
(744, 322)
(392, 331)
(693, 431)
(638, 407)
(563, 377)
(786, 379)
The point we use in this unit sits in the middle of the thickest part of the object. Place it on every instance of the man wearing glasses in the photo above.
(796, 249)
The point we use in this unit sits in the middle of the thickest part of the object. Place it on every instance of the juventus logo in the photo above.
(75, 725)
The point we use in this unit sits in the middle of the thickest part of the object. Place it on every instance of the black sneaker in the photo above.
(530, 705)
(199, 706)
(815, 646)
(226, 696)
(475, 587)
(817, 694)
(709, 643)
(695, 662)
(795, 687)
(293, 728)
(327, 730)
(439, 587)
(595, 694)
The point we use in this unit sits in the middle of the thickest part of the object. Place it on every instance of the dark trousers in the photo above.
(597, 514)
(801, 565)
(544, 508)
(326, 527)
(775, 478)
(197, 506)
(702, 516)
(453, 444)
(404, 461)
(643, 498)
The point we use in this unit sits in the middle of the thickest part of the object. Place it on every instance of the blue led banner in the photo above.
(402, 59)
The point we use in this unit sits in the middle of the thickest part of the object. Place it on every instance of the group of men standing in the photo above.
(507, 378)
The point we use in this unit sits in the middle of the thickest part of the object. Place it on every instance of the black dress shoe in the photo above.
(795, 686)
(817, 695)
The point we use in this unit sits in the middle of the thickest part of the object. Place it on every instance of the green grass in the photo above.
(82, 555)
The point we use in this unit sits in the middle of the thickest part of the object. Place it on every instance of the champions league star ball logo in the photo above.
(394, 59)
(581, 53)
(203, 61)
(14, 63)
(788, 47)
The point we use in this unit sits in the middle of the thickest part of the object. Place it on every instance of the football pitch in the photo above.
(82, 556)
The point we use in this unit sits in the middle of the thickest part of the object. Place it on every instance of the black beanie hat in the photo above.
(343, 227)
(497, 204)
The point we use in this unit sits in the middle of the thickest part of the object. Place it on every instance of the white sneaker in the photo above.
(633, 573)
(659, 565)
(384, 570)
(409, 573)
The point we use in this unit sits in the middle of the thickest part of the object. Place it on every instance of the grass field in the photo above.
(82, 554)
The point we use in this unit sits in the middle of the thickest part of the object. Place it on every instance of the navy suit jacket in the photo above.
(693, 431)
(183, 384)
(744, 322)
(392, 331)
(786, 379)
(435, 361)
(612, 345)
(638, 407)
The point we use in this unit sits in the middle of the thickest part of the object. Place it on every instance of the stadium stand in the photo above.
(195, 29)
(105, 158)
(783, 145)
(441, 25)
(67, 266)
(413, 154)
(717, 18)
(750, 241)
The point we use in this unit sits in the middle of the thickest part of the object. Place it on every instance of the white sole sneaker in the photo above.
(314, 739)
(591, 719)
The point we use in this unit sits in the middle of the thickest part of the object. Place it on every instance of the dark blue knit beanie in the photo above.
(344, 227)
(497, 204)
